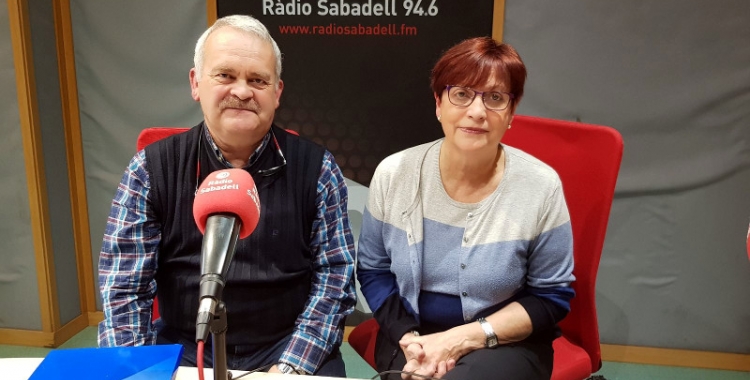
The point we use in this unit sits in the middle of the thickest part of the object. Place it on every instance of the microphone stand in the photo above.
(218, 328)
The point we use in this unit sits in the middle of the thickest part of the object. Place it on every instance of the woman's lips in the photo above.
(473, 130)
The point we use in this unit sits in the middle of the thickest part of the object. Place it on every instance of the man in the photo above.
(290, 285)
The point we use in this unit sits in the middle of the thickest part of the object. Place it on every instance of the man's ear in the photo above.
(193, 76)
(279, 90)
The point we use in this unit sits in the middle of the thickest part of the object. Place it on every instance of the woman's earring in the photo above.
(438, 117)
(509, 126)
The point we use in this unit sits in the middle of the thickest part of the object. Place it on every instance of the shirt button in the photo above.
(471, 215)
(466, 239)
(464, 294)
(463, 266)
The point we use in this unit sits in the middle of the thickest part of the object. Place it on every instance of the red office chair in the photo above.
(587, 159)
(153, 134)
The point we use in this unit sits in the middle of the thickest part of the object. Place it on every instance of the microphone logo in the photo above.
(222, 182)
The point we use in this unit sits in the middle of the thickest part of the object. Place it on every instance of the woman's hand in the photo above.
(435, 354)
(415, 361)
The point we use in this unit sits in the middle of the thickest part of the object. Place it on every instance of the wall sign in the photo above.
(356, 72)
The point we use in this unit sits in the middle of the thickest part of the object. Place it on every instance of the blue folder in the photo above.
(116, 363)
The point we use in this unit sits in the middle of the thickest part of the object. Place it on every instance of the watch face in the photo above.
(492, 342)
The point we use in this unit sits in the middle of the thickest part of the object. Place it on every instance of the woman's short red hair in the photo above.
(473, 62)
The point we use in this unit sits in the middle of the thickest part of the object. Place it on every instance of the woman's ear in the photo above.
(437, 106)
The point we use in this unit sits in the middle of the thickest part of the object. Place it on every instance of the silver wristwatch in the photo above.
(289, 370)
(489, 333)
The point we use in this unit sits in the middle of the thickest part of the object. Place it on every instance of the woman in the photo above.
(466, 251)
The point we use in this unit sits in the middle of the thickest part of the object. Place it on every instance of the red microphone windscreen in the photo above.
(228, 191)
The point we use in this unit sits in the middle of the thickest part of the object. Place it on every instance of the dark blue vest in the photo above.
(269, 279)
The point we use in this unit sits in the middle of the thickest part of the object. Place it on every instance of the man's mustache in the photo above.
(236, 103)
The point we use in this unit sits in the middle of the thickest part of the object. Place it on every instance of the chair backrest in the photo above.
(153, 134)
(587, 159)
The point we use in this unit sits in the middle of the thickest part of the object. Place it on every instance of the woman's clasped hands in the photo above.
(432, 355)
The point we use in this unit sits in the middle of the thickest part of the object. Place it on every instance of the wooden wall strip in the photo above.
(28, 110)
(211, 12)
(88, 289)
(498, 20)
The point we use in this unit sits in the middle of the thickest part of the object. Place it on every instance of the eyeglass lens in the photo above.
(493, 100)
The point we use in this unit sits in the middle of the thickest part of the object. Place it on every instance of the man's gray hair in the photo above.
(244, 23)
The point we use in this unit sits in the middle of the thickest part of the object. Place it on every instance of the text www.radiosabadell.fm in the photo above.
(350, 30)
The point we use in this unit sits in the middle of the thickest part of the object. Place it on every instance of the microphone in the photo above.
(226, 208)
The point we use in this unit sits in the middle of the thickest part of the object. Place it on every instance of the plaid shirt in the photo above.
(128, 261)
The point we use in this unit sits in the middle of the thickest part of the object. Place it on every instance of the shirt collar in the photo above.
(219, 156)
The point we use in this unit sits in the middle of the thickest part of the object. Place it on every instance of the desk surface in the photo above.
(22, 368)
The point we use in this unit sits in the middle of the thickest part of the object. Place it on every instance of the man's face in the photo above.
(237, 88)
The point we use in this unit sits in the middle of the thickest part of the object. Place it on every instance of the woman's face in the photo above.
(474, 127)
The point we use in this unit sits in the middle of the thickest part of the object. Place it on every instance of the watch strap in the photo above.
(288, 369)
(489, 333)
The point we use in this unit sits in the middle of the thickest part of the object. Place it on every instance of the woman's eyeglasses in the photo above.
(464, 96)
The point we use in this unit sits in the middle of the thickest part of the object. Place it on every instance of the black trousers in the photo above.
(518, 361)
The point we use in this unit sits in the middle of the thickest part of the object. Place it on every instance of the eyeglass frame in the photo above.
(476, 93)
(275, 169)
(262, 172)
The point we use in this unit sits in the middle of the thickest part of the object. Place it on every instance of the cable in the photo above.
(264, 368)
(200, 360)
(267, 367)
(393, 371)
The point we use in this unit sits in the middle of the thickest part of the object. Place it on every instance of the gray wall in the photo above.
(132, 63)
(19, 293)
(673, 77)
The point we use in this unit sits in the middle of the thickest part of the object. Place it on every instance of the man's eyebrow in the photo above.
(222, 69)
(262, 75)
